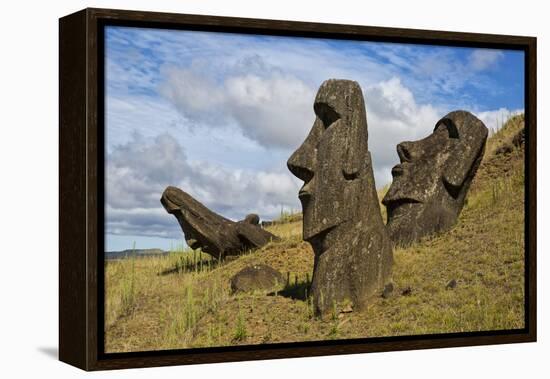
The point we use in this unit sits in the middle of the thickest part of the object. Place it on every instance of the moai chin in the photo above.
(341, 212)
(433, 177)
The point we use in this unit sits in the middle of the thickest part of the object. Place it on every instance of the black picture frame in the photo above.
(81, 109)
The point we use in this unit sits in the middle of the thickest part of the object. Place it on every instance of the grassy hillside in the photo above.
(183, 299)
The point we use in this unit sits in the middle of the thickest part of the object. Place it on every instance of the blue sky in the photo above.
(219, 114)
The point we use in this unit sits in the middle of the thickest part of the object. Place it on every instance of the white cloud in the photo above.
(481, 59)
(193, 93)
(495, 119)
(272, 109)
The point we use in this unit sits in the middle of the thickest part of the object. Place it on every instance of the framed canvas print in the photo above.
(238, 189)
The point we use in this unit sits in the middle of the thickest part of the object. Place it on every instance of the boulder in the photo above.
(258, 277)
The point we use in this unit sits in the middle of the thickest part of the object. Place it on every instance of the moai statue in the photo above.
(341, 212)
(431, 182)
(211, 232)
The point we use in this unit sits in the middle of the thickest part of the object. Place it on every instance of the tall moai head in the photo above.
(341, 212)
(433, 177)
(334, 160)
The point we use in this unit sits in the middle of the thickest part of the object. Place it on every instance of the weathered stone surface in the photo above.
(341, 213)
(431, 182)
(252, 218)
(257, 277)
(211, 232)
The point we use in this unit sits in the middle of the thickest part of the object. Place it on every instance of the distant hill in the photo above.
(134, 253)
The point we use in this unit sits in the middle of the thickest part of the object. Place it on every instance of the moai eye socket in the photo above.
(326, 114)
(448, 124)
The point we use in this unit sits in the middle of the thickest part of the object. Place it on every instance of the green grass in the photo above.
(183, 299)
(240, 330)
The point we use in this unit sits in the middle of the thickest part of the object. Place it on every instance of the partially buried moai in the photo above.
(431, 182)
(342, 220)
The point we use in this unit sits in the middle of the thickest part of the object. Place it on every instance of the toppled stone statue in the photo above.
(258, 277)
(341, 212)
(431, 182)
(211, 232)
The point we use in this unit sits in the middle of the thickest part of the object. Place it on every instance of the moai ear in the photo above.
(469, 145)
(356, 138)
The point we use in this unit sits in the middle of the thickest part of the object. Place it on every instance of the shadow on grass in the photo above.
(295, 291)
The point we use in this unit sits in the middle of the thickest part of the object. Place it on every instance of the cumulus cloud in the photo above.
(273, 109)
(138, 171)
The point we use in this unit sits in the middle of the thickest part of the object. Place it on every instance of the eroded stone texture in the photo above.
(341, 213)
(211, 232)
(252, 218)
(431, 182)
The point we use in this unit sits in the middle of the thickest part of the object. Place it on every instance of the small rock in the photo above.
(388, 289)
(348, 308)
(407, 291)
(341, 315)
(256, 277)
(451, 284)
(504, 149)
(519, 138)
